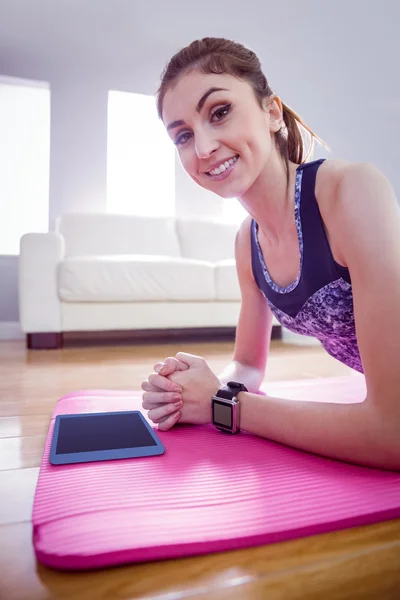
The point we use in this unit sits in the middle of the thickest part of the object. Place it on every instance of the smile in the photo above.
(223, 169)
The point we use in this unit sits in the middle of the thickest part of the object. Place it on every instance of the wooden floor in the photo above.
(351, 564)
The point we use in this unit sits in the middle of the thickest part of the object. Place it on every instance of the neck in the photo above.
(270, 199)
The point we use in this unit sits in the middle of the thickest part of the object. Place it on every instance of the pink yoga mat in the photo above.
(209, 492)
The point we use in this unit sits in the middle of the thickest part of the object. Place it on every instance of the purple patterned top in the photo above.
(319, 303)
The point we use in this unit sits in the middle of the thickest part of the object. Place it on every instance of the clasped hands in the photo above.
(180, 390)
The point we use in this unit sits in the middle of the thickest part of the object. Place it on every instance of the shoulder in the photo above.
(352, 197)
(243, 248)
(243, 235)
(357, 204)
(329, 179)
(341, 182)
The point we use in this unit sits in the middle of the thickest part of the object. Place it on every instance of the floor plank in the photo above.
(23, 426)
(21, 452)
(17, 490)
(365, 556)
(355, 563)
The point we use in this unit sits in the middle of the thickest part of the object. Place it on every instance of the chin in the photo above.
(226, 190)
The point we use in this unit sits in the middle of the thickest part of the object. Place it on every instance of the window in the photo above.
(24, 160)
(233, 211)
(140, 158)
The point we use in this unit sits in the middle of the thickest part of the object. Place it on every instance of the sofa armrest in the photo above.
(39, 303)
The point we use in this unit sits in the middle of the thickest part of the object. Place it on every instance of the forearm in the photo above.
(349, 432)
(249, 376)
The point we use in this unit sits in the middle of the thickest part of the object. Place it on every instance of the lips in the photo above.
(221, 166)
(217, 175)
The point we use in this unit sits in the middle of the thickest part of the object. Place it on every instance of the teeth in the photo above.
(223, 167)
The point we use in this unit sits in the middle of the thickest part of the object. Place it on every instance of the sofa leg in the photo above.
(276, 333)
(44, 341)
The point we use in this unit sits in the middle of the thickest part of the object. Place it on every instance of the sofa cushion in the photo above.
(226, 280)
(104, 233)
(134, 278)
(206, 240)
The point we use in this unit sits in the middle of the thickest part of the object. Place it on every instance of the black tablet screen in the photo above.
(102, 432)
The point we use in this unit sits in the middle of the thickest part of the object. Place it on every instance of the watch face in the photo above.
(222, 414)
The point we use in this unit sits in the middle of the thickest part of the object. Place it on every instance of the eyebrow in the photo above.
(199, 106)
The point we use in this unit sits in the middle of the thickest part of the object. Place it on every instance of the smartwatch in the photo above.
(226, 408)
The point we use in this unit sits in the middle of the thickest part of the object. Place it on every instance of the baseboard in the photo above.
(10, 330)
(51, 341)
(154, 336)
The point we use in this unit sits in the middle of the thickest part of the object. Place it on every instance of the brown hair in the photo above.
(218, 55)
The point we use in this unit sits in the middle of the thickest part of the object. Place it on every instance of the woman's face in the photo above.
(222, 134)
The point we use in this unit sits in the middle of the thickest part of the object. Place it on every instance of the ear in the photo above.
(275, 110)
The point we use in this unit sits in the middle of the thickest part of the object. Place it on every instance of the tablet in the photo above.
(93, 437)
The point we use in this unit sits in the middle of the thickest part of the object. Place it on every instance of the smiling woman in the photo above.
(319, 249)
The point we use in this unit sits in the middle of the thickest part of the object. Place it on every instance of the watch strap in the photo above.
(231, 389)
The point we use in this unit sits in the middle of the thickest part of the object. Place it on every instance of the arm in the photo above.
(253, 332)
(250, 354)
(365, 222)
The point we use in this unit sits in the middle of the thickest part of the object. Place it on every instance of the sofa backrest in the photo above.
(206, 240)
(88, 234)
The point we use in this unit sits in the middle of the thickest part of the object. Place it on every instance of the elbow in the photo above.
(251, 376)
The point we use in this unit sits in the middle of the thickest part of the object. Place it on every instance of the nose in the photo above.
(205, 145)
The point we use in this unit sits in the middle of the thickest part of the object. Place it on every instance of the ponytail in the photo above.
(293, 138)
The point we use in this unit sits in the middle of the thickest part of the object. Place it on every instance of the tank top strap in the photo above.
(319, 263)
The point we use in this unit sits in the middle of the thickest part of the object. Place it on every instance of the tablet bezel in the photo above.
(101, 455)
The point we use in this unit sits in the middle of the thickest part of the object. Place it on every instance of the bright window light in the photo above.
(24, 160)
(140, 158)
(233, 211)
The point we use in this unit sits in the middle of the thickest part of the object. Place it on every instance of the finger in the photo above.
(166, 366)
(170, 365)
(164, 383)
(169, 422)
(188, 359)
(147, 387)
(158, 414)
(153, 399)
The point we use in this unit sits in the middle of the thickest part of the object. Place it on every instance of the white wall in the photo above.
(78, 163)
(8, 289)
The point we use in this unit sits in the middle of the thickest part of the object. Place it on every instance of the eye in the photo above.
(221, 112)
(183, 138)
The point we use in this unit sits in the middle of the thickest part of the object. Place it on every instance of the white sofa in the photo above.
(123, 273)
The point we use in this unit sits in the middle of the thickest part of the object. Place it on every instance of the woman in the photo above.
(320, 249)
